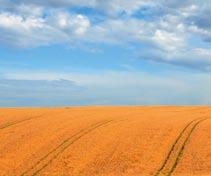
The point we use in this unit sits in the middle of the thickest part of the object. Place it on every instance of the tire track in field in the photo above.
(177, 149)
(43, 162)
(173, 146)
(9, 124)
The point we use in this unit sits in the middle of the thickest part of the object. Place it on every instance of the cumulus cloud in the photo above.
(167, 32)
(168, 41)
(31, 31)
(70, 24)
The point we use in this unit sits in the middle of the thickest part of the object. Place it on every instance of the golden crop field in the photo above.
(105, 141)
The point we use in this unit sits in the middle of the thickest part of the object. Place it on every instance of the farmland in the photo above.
(106, 141)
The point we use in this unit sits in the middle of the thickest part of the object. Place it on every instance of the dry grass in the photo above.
(106, 141)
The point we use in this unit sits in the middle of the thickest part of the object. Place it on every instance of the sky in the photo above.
(116, 52)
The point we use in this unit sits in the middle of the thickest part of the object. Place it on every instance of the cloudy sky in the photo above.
(96, 52)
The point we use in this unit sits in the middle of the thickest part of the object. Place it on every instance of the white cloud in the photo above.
(170, 42)
(203, 52)
(11, 21)
(121, 31)
(26, 10)
(20, 32)
(166, 31)
(77, 24)
(37, 31)
(195, 58)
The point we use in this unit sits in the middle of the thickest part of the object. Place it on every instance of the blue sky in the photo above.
(68, 52)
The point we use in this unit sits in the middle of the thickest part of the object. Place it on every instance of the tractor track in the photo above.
(53, 154)
(177, 149)
(9, 124)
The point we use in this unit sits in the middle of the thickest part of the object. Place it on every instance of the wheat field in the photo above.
(105, 141)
